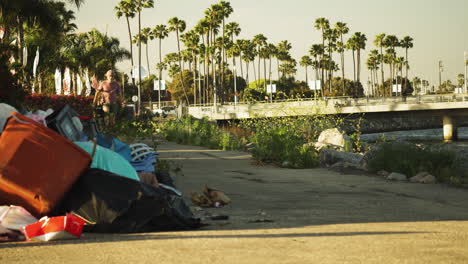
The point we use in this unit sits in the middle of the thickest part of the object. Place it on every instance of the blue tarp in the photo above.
(108, 160)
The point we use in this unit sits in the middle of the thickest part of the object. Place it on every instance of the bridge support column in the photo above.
(450, 128)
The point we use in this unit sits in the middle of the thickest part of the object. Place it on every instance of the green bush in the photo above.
(282, 141)
(200, 132)
(410, 159)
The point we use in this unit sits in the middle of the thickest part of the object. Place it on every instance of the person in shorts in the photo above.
(109, 90)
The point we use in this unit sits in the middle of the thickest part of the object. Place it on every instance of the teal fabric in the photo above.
(108, 160)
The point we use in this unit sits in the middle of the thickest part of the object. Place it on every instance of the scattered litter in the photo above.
(15, 217)
(219, 217)
(210, 198)
(7, 235)
(262, 221)
(55, 228)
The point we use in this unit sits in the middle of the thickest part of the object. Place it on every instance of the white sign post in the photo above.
(396, 88)
(315, 85)
(271, 89)
(135, 100)
(159, 85)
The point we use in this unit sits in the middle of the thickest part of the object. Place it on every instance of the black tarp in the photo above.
(114, 204)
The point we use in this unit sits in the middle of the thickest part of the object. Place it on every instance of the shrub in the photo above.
(410, 159)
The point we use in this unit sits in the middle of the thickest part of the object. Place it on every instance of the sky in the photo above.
(439, 27)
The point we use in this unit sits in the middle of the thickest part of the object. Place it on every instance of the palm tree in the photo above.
(144, 38)
(406, 43)
(283, 49)
(305, 62)
(272, 52)
(341, 29)
(352, 45)
(177, 25)
(232, 29)
(213, 19)
(379, 43)
(160, 32)
(373, 65)
(331, 36)
(203, 28)
(322, 24)
(225, 11)
(127, 8)
(391, 42)
(316, 51)
(360, 44)
(248, 55)
(260, 41)
(138, 8)
(389, 58)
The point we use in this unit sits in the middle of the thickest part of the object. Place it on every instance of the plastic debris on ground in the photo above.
(210, 198)
(8, 235)
(55, 228)
(15, 217)
(113, 204)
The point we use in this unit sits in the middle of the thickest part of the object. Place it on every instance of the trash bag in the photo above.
(113, 204)
(109, 160)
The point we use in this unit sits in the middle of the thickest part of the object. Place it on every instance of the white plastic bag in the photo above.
(15, 217)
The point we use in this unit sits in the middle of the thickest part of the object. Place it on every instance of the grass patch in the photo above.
(410, 159)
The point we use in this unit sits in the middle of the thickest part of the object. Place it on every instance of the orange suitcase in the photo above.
(37, 165)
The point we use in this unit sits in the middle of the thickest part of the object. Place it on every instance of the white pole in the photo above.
(159, 94)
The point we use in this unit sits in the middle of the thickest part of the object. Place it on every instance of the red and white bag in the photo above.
(55, 228)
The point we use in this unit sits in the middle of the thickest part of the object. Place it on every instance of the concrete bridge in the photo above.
(380, 114)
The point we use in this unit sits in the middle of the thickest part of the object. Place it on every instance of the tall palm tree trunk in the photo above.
(131, 47)
(358, 53)
(354, 65)
(259, 61)
(277, 68)
(147, 60)
(264, 72)
(181, 70)
(382, 67)
(407, 66)
(240, 63)
(342, 64)
(269, 71)
(160, 74)
(255, 72)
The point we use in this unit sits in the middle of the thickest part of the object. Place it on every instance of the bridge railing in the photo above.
(350, 101)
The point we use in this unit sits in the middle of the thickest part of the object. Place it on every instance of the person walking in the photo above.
(107, 93)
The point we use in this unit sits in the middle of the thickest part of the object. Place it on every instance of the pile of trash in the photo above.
(59, 176)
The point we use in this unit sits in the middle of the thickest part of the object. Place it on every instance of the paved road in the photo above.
(284, 216)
